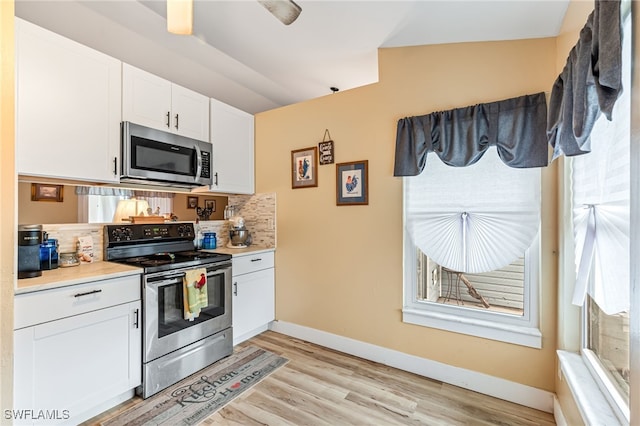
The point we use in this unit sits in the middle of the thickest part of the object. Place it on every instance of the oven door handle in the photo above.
(167, 280)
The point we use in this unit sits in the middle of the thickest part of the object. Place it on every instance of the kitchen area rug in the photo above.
(195, 398)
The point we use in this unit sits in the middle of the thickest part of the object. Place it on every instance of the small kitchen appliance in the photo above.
(239, 236)
(29, 240)
(174, 346)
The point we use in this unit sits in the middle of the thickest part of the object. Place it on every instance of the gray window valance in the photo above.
(589, 84)
(516, 126)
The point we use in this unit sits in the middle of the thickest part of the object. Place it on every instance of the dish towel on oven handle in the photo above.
(195, 293)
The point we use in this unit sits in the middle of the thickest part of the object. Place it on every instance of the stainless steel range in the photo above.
(175, 344)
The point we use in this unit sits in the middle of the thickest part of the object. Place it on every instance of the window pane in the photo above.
(608, 338)
(501, 290)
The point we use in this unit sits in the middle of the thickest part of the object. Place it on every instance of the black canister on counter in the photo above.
(29, 240)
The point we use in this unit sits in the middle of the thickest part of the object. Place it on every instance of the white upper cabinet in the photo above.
(233, 150)
(154, 102)
(68, 107)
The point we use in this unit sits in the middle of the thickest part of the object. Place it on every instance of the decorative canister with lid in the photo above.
(209, 241)
(49, 254)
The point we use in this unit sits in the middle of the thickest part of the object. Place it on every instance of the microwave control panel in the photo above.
(206, 165)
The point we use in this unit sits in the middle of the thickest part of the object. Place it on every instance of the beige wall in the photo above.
(340, 269)
(7, 204)
(180, 206)
(47, 211)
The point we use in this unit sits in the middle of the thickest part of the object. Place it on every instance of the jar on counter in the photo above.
(68, 259)
(209, 241)
(49, 254)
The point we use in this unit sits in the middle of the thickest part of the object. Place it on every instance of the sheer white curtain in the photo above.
(161, 202)
(97, 205)
(473, 219)
(601, 197)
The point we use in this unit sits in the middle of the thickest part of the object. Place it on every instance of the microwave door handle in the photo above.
(198, 162)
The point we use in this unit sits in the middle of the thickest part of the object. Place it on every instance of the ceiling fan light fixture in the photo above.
(286, 11)
(180, 17)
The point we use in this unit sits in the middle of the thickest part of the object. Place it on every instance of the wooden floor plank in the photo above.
(321, 386)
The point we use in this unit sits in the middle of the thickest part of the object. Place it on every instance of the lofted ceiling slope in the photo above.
(240, 54)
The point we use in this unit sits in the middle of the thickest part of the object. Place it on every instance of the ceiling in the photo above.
(242, 55)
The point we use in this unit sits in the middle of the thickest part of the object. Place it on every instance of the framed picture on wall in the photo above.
(192, 202)
(46, 192)
(210, 204)
(304, 168)
(352, 183)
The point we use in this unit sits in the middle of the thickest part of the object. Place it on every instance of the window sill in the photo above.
(517, 335)
(591, 402)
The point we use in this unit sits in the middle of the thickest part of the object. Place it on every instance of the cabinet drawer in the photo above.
(48, 305)
(252, 263)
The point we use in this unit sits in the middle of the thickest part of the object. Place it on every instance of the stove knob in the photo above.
(128, 233)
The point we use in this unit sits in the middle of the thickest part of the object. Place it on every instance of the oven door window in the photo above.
(171, 305)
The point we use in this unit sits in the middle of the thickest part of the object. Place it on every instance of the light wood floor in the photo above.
(320, 386)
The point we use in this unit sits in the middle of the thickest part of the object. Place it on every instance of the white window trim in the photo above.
(593, 365)
(498, 326)
(592, 403)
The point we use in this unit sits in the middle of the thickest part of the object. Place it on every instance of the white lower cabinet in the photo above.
(70, 369)
(253, 295)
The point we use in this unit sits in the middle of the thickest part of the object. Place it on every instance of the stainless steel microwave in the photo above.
(151, 156)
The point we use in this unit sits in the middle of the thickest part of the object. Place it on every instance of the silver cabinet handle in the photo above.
(168, 119)
(136, 320)
(216, 176)
(115, 166)
(235, 288)
(88, 293)
(177, 117)
(258, 259)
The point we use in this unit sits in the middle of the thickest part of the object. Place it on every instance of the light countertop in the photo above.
(241, 251)
(83, 273)
(96, 271)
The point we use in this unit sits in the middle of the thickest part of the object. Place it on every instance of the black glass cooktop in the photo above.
(165, 261)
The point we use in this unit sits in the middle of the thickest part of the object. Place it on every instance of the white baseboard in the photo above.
(468, 379)
(249, 334)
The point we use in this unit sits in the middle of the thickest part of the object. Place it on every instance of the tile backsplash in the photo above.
(258, 211)
(67, 235)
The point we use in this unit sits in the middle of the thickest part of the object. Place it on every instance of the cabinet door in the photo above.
(146, 98)
(253, 303)
(68, 107)
(154, 102)
(232, 137)
(189, 113)
(79, 362)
